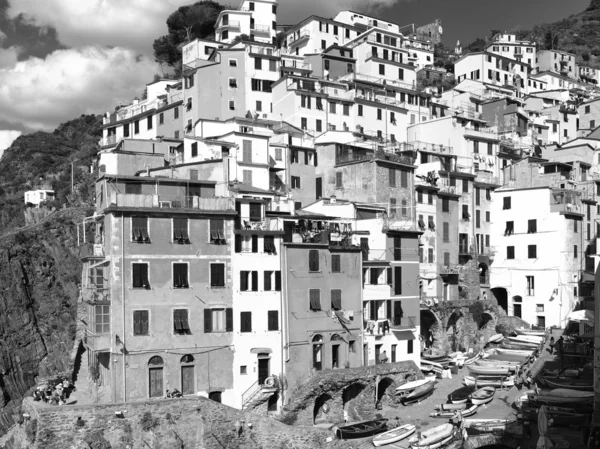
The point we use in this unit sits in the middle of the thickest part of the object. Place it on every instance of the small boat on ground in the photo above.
(483, 395)
(451, 407)
(419, 393)
(528, 339)
(497, 338)
(488, 424)
(434, 437)
(410, 386)
(461, 395)
(394, 435)
(510, 366)
(472, 360)
(434, 365)
(469, 411)
(563, 396)
(506, 351)
(521, 360)
(530, 332)
(441, 359)
(361, 429)
(489, 381)
(524, 343)
(570, 383)
(489, 370)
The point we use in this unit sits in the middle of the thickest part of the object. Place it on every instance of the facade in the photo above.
(38, 197)
(589, 116)
(491, 68)
(256, 18)
(557, 61)
(507, 45)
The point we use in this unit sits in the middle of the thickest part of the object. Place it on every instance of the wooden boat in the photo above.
(361, 429)
(510, 366)
(563, 396)
(521, 360)
(570, 383)
(488, 424)
(483, 395)
(489, 370)
(441, 359)
(528, 339)
(489, 381)
(525, 343)
(461, 395)
(519, 347)
(410, 386)
(451, 407)
(433, 436)
(470, 411)
(419, 393)
(472, 360)
(394, 435)
(518, 352)
(530, 332)
(497, 338)
(434, 365)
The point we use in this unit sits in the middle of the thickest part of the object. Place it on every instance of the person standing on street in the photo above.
(551, 345)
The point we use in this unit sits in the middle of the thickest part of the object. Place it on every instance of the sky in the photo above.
(63, 58)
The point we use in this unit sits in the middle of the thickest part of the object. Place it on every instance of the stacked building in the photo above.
(289, 208)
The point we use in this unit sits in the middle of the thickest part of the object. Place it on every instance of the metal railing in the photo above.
(96, 295)
(231, 24)
(169, 201)
(431, 147)
(298, 37)
(263, 29)
(91, 250)
(380, 55)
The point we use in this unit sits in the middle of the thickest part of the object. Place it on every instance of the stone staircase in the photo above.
(256, 395)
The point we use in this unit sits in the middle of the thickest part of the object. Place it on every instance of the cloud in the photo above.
(7, 137)
(42, 93)
(9, 56)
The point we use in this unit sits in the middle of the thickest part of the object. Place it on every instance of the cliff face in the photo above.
(40, 274)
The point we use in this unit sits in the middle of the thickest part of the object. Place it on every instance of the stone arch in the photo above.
(486, 318)
(429, 322)
(322, 408)
(453, 329)
(385, 386)
(501, 296)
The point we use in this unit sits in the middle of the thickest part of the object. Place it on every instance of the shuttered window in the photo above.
(140, 275)
(217, 275)
(364, 247)
(247, 151)
(139, 229)
(180, 275)
(336, 299)
(255, 212)
(180, 322)
(246, 322)
(269, 244)
(267, 280)
(313, 260)
(403, 178)
(336, 264)
(397, 248)
(217, 231)
(218, 320)
(273, 320)
(397, 280)
(140, 322)
(315, 299)
(180, 230)
(244, 280)
(255, 281)
(278, 281)
(255, 243)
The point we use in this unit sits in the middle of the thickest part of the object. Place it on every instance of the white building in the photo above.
(38, 197)
(492, 69)
(507, 45)
(557, 61)
(256, 18)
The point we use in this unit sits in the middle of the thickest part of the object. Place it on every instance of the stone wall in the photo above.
(352, 390)
(165, 423)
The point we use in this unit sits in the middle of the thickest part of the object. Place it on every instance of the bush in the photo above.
(31, 430)
(96, 440)
(148, 422)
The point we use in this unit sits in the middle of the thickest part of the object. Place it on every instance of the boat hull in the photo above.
(410, 386)
(394, 435)
(569, 383)
(434, 436)
(419, 394)
(470, 411)
(472, 381)
(361, 430)
(483, 396)
(488, 370)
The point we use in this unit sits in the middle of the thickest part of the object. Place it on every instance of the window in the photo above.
(140, 322)
(278, 154)
(217, 275)
(180, 230)
(233, 63)
(397, 248)
(592, 124)
(180, 275)
(510, 252)
(272, 65)
(336, 263)
(313, 260)
(477, 218)
(259, 106)
(247, 150)
(409, 347)
(429, 198)
(338, 180)
(243, 369)
(102, 319)
(465, 186)
(477, 196)
(319, 125)
(245, 321)
(382, 69)
(490, 149)
(506, 203)
(257, 64)
(278, 281)
(587, 109)
(296, 182)
(575, 229)
(249, 281)
(475, 146)
(336, 299)
(332, 107)
(420, 197)
(360, 110)
(430, 255)
(346, 109)
(140, 275)
(392, 177)
(247, 177)
(532, 251)
(181, 325)
(445, 205)
(136, 127)
(217, 231)
(465, 212)
(273, 320)
(487, 216)
(397, 280)
(379, 114)
(510, 228)
(539, 308)
(575, 251)
(403, 178)
(400, 74)
(447, 259)
(218, 320)
(314, 299)
(304, 123)
(530, 285)
(531, 226)
(161, 118)
(231, 105)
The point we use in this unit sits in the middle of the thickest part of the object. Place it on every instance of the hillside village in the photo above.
(285, 210)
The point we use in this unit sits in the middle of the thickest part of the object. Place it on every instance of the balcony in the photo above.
(359, 77)
(431, 148)
(97, 342)
(139, 108)
(403, 323)
(585, 303)
(233, 25)
(380, 55)
(95, 295)
(257, 224)
(482, 133)
(91, 251)
(486, 177)
(261, 29)
(262, 50)
(299, 38)
(109, 140)
(169, 201)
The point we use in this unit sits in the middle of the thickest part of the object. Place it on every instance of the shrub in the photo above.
(31, 430)
(148, 422)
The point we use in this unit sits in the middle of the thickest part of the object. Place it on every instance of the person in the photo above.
(559, 349)
(383, 358)
(529, 379)
(519, 380)
(551, 345)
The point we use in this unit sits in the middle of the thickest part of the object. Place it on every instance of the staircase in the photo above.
(256, 395)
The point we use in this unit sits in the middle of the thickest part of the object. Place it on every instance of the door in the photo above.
(319, 188)
(377, 353)
(187, 380)
(156, 383)
(398, 313)
(215, 396)
(517, 310)
(541, 322)
(366, 354)
(335, 356)
(263, 370)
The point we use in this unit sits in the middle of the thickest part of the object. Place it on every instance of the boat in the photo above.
(483, 395)
(562, 396)
(519, 347)
(451, 407)
(431, 438)
(570, 383)
(497, 338)
(521, 360)
(472, 360)
(410, 386)
(441, 359)
(528, 339)
(361, 429)
(510, 366)
(394, 435)
(489, 381)
(470, 411)
(461, 395)
(491, 370)
(488, 424)
(530, 332)
(434, 365)
(518, 352)
(419, 393)
(525, 343)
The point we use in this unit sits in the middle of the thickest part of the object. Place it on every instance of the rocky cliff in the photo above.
(40, 275)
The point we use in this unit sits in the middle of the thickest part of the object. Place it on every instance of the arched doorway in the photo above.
(428, 321)
(501, 296)
(452, 330)
(317, 352)
(155, 377)
(486, 319)
(383, 386)
(187, 374)
(322, 408)
(336, 354)
(349, 396)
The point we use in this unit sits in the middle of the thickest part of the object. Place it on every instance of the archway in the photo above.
(349, 396)
(452, 330)
(383, 386)
(322, 408)
(486, 319)
(501, 296)
(428, 321)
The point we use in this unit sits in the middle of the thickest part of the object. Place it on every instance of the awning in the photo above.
(261, 351)
(581, 316)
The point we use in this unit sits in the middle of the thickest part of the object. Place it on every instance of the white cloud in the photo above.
(42, 93)
(8, 56)
(7, 137)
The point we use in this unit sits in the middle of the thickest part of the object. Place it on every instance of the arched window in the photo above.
(335, 337)
(317, 338)
(156, 360)
(188, 358)
(317, 344)
(335, 351)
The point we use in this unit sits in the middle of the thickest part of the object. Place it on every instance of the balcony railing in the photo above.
(230, 24)
(483, 133)
(299, 37)
(380, 55)
(257, 224)
(353, 77)
(97, 342)
(91, 251)
(108, 140)
(262, 29)
(405, 322)
(488, 178)
(96, 295)
(431, 147)
(170, 201)
(139, 108)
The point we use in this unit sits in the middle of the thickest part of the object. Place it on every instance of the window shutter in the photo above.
(229, 320)
(389, 276)
(273, 324)
(315, 159)
(278, 281)
(267, 280)
(208, 320)
(397, 248)
(313, 260)
(397, 280)
(177, 320)
(244, 281)
(144, 322)
(255, 281)
(254, 243)
(315, 300)
(137, 328)
(144, 275)
(336, 299)
(388, 309)
(238, 243)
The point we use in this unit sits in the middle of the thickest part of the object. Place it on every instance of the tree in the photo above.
(189, 22)
(242, 38)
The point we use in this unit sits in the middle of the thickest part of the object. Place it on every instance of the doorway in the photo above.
(366, 354)
(517, 310)
(187, 380)
(156, 382)
(263, 369)
(377, 353)
(215, 396)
